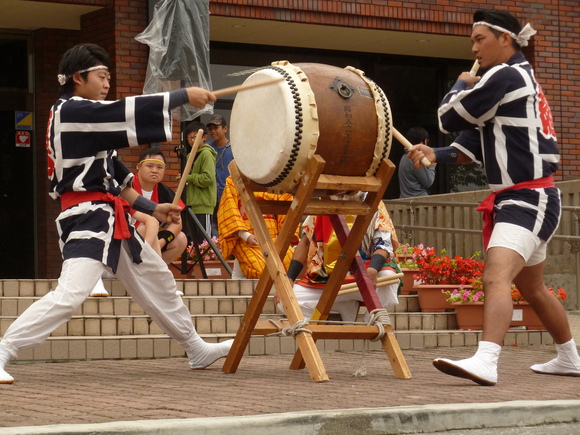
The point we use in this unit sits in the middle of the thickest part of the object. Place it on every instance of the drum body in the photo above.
(336, 113)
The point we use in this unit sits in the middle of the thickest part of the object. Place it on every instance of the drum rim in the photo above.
(384, 122)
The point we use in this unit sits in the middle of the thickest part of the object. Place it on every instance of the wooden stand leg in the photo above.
(393, 351)
(307, 353)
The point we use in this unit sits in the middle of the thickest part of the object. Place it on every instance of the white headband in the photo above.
(521, 38)
(62, 78)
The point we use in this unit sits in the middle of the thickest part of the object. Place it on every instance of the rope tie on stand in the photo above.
(291, 331)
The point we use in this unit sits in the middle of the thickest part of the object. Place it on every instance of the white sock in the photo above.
(488, 352)
(202, 354)
(566, 363)
(5, 356)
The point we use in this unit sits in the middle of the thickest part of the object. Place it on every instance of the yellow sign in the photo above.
(23, 120)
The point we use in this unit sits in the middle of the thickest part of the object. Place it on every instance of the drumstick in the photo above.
(346, 288)
(245, 87)
(188, 165)
(408, 145)
(355, 289)
(474, 68)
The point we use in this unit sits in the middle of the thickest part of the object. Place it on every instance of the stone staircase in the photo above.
(116, 327)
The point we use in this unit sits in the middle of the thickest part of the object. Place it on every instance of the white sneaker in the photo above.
(179, 293)
(472, 368)
(208, 353)
(5, 378)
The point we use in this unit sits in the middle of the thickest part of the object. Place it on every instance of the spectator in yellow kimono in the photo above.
(237, 235)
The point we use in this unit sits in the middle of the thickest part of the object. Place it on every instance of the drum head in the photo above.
(272, 130)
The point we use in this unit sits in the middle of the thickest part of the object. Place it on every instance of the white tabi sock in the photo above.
(567, 363)
(202, 354)
(480, 368)
(5, 356)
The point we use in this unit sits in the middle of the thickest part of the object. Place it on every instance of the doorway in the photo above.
(17, 170)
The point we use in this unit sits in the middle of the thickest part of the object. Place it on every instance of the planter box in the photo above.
(432, 299)
(470, 316)
(409, 280)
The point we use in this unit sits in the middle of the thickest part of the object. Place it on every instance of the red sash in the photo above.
(486, 206)
(70, 199)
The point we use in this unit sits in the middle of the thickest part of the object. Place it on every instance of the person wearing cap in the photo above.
(95, 194)
(217, 129)
(506, 123)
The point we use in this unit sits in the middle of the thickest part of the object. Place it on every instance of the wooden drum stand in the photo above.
(307, 332)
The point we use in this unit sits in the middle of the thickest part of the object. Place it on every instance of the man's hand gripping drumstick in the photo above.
(422, 154)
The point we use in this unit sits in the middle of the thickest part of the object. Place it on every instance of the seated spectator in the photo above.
(317, 253)
(237, 236)
(147, 182)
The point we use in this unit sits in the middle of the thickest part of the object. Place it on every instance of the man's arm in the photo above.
(162, 212)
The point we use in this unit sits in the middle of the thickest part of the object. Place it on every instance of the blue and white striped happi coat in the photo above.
(82, 138)
(506, 126)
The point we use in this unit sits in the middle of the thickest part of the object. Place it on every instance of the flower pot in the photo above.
(432, 299)
(408, 280)
(175, 268)
(402, 258)
(470, 315)
(524, 315)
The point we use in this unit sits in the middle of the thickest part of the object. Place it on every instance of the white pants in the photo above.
(346, 305)
(150, 283)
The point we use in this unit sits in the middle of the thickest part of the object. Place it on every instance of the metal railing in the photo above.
(450, 221)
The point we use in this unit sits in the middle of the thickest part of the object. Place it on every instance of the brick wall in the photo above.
(553, 52)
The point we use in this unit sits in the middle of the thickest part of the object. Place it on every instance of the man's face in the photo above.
(217, 132)
(489, 49)
(95, 87)
(152, 169)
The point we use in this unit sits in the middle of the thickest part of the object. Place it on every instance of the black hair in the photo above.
(499, 18)
(78, 58)
(417, 135)
(152, 151)
(191, 127)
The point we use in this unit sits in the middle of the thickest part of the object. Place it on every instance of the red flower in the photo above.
(446, 270)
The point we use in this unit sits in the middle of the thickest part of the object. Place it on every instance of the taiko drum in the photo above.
(336, 113)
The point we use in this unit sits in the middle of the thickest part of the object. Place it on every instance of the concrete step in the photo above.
(120, 315)
(116, 327)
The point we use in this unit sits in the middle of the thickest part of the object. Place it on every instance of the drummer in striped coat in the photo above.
(506, 126)
(93, 187)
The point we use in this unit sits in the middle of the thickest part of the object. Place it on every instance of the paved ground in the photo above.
(107, 391)
(111, 391)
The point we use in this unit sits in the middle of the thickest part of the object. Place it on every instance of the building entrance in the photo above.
(17, 173)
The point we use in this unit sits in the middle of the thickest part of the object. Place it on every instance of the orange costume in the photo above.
(232, 218)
